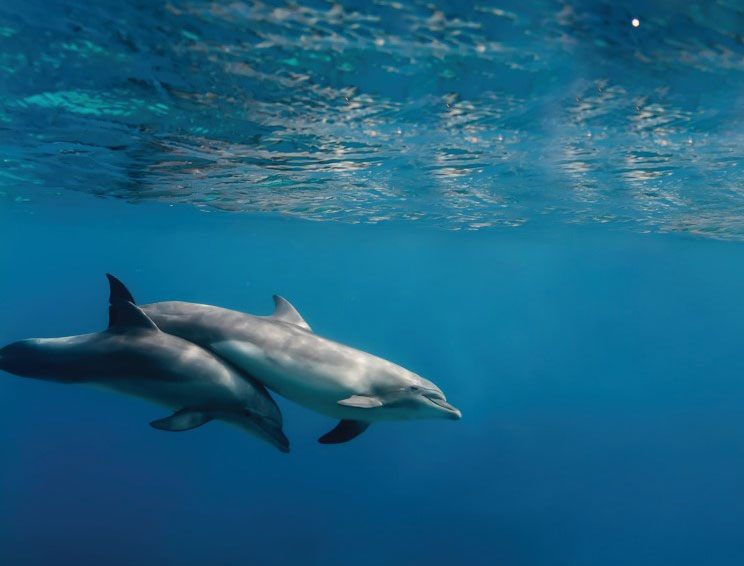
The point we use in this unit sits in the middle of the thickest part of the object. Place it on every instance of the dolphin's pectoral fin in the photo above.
(283, 310)
(185, 419)
(345, 430)
(361, 402)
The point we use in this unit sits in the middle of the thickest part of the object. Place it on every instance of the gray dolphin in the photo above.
(134, 357)
(283, 353)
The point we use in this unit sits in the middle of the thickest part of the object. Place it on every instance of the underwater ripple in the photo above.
(460, 115)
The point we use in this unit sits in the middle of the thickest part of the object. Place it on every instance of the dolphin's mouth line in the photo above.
(441, 403)
(445, 405)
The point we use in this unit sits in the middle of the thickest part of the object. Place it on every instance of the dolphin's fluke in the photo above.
(345, 430)
(185, 419)
(118, 291)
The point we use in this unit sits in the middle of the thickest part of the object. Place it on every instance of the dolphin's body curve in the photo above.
(134, 357)
(283, 353)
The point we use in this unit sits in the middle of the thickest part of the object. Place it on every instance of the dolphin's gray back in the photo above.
(142, 362)
(114, 355)
(201, 324)
(206, 325)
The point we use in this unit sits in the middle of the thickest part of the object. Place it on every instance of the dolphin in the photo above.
(282, 352)
(134, 357)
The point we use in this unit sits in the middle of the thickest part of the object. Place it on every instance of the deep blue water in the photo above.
(538, 206)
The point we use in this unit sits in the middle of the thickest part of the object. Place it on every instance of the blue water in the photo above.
(538, 206)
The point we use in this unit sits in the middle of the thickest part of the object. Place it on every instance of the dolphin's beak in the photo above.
(452, 411)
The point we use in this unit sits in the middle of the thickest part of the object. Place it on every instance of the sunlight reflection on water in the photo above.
(463, 116)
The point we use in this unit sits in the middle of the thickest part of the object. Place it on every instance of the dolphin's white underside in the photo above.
(309, 381)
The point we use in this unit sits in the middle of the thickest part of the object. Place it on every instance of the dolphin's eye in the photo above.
(414, 388)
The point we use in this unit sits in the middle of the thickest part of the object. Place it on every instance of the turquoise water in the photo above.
(537, 207)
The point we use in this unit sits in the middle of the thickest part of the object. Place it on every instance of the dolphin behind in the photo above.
(282, 352)
(134, 357)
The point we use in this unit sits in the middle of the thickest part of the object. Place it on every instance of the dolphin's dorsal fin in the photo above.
(118, 291)
(283, 310)
(124, 315)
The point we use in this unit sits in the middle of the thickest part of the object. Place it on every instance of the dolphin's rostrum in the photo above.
(283, 353)
(135, 357)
